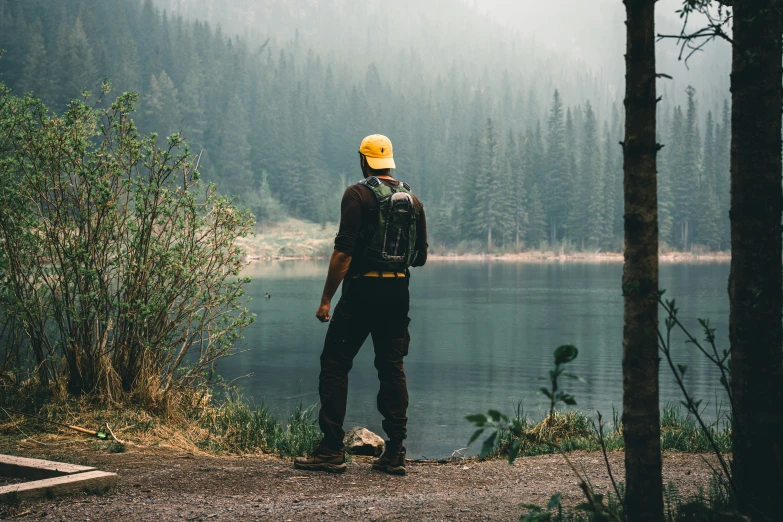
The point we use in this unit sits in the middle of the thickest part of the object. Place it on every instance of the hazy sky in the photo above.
(594, 31)
(590, 31)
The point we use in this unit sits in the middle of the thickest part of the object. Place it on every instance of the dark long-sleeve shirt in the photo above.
(358, 209)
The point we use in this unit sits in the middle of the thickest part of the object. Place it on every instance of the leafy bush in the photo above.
(118, 268)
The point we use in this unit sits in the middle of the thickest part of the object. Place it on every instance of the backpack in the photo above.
(392, 246)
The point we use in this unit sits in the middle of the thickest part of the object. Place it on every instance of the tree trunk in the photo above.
(641, 415)
(489, 239)
(755, 280)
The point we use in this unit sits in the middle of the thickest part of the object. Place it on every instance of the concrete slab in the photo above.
(88, 481)
(49, 479)
(34, 469)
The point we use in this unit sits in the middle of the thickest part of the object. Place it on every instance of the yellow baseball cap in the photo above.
(378, 151)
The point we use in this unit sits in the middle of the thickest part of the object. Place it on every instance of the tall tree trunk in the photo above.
(755, 281)
(489, 238)
(641, 415)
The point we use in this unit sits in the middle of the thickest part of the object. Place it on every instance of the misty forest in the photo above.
(533, 148)
(558, 224)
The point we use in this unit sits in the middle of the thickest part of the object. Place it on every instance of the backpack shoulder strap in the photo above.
(380, 190)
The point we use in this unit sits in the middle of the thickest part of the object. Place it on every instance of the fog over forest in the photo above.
(509, 108)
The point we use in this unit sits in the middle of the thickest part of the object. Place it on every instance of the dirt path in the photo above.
(163, 484)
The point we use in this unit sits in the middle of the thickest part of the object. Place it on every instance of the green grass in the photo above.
(574, 430)
(238, 427)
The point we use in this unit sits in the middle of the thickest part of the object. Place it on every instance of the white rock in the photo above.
(361, 441)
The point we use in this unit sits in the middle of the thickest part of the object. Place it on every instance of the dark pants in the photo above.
(369, 306)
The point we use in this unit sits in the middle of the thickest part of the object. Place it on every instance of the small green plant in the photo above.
(499, 424)
(720, 359)
(502, 427)
(563, 355)
(539, 514)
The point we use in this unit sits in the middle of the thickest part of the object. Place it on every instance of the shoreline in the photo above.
(296, 240)
(164, 483)
(531, 257)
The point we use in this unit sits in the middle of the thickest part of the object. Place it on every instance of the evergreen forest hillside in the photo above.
(516, 151)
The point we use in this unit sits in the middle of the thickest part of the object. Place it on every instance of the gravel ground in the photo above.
(161, 484)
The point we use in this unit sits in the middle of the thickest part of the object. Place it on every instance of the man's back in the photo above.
(359, 215)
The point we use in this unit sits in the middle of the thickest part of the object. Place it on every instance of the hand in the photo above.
(323, 312)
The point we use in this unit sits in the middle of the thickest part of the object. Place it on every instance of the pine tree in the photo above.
(230, 158)
(126, 76)
(264, 206)
(605, 224)
(589, 188)
(192, 99)
(557, 170)
(722, 174)
(72, 64)
(161, 105)
(685, 169)
(536, 155)
(676, 160)
(573, 229)
(537, 220)
(473, 183)
(708, 219)
(517, 164)
(614, 183)
(709, 225)
(665, 203)
(34, 72)
(591, 205)
(492, 180)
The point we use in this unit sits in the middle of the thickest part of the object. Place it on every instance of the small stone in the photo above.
(361, 441)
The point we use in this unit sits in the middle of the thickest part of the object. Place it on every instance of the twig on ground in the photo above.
(459, 453)
(112, 434)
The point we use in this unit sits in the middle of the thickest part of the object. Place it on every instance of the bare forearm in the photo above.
(338, 267)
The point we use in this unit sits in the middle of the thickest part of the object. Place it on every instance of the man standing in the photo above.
(382, 234)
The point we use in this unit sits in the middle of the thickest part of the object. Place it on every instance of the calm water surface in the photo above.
(482, 333)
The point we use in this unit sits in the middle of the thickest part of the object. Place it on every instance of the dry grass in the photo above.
(232, 427)
(573, 430)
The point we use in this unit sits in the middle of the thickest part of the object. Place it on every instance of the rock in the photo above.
(361, 441)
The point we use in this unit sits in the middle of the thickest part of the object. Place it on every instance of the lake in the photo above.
(482, 333)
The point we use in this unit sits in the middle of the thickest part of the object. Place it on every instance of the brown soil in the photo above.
(162, 484)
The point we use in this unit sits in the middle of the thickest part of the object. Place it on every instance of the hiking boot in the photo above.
(392, 461)
(323, 458)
